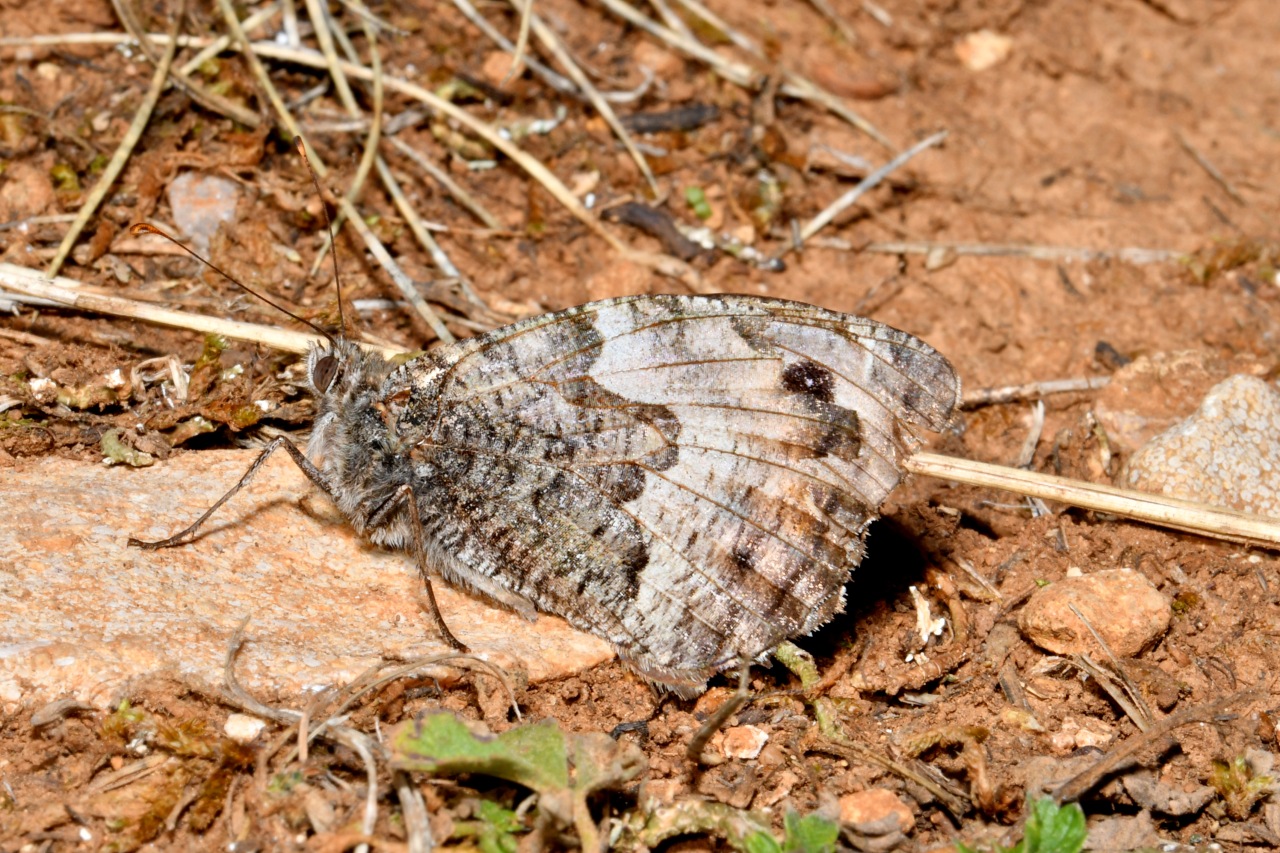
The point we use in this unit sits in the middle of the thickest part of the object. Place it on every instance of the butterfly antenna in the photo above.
(144, 228)
(315, 179)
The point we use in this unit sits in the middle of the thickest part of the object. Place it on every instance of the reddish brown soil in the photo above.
(1080, 138)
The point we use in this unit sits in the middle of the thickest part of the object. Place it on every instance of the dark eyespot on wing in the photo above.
(810, 379)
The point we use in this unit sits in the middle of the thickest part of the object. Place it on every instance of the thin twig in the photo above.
(1030, 390)
(456, 190)
(552, 43)
(1187, 516)
(179, 76)
(851, 751)
(1027, 454)
(414, 809)
(121, 156)
(63, 291)
(57, 129)
(525, 8)
(1207, 164)
(1133, 255)
(481, 23)
(1121, 692)
(794, 85)
(865, 185)
(357, 741)
(843, 26)
(221, 43)
(1081, 784)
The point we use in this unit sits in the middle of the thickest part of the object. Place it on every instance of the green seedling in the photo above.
(564, 769)
(1050, 828)
(809, 834)
(1241, 785)
(494, 829)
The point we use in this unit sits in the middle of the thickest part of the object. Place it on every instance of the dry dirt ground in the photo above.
(1099, 130)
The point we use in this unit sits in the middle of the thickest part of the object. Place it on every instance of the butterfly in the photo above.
(688, 477)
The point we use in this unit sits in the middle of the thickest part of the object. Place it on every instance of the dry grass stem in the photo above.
(671, 19)
(1187, 516)
(1211, 170)
(1027, 454)
(325, 34)
(793, 86)
(414, 809)
(180, 76)
(1005, 250)
(1030, 391)
(222, 43)
(456, 190)
(663, 264)
(122, 152)
(66, 293)
(1081, 784)
(864, 186)
(836, 20)
(553, 44)
(953, 802)
(345, 206)
(525, 8)
(481, 23)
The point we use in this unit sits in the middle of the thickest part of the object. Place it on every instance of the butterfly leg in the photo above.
(722, 714)
(299, 458)
(404, 497)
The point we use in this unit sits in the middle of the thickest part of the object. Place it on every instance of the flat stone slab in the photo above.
(81, 614)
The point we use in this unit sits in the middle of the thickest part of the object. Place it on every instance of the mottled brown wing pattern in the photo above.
(690, 477)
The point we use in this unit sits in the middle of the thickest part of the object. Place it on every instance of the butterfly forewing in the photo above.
(689, 477)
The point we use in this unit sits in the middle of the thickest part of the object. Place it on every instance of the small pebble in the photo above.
(1126, 610)
(1227, 454)
(876, 812)
(981, 50)
(743, 742)
(201, 203)
(243, 728)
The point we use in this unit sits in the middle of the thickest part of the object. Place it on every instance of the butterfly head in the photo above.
(336, 367)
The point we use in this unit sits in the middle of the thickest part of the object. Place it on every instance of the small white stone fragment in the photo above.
(982, 49)
(925, 623)
(744, 742)
(243, 728)
(201, 203)
(44, 390)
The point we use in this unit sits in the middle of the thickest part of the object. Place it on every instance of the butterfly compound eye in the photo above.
(323, 373)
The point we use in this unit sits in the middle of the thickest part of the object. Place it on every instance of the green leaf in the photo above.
(760, 842)
(1053, 829)
(534, 756)
(495, 829)
(809, 834)
(562, 768)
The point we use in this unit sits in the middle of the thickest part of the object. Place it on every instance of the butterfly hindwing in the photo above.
(689, 477)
